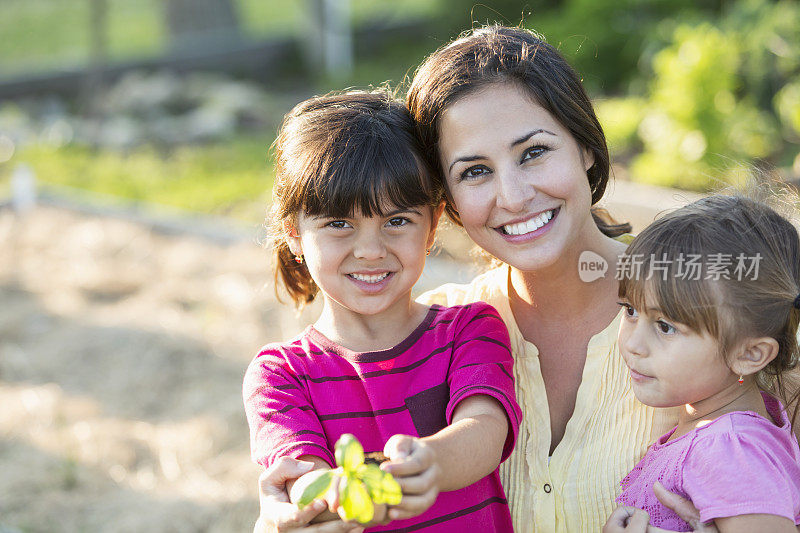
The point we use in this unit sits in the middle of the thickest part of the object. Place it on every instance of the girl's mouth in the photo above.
(370, 283)
(369, 278)
(636, 376)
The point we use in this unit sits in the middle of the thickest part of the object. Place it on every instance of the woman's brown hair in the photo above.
(498, 54)
(728, 265)
(337, 155)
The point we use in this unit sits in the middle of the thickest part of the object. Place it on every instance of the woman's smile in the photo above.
(533, 226)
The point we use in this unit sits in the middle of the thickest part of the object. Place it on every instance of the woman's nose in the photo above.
(513, 192)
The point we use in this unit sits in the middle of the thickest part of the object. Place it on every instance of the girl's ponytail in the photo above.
(295, 276)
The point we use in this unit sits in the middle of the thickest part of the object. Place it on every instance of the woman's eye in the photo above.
(533, 152)
(474, 172)
(666, 328)
(398, 221)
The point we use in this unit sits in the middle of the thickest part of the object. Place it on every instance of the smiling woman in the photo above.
(522, 174)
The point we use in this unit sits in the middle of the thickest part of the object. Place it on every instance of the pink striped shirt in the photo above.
(301, 396)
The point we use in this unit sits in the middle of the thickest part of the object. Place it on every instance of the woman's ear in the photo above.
(435, 216)
(587, 156)
(292, 238)
(754, 354)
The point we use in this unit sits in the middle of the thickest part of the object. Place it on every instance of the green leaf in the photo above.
(349, 453)
(316, 488)
(381, 485)
(355, 499)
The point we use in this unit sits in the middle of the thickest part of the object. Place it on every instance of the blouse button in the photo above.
(547, 488)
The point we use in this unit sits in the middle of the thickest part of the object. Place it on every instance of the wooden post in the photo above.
(329, 40)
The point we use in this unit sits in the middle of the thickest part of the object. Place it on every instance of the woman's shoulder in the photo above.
(485, 287)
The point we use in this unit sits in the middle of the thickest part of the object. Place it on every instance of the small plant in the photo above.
(361, 486)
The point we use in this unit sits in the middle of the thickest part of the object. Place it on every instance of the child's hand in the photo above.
(333, 502)
(413, 464)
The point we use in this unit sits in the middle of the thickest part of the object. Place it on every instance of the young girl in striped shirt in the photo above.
(354, 215)
(711, 303)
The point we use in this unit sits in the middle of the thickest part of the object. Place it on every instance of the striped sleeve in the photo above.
(482, 364)
(281, 418)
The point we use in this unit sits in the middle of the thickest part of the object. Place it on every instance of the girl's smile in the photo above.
(371, 282)
(365, 266)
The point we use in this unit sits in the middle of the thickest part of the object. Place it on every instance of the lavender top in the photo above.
(740, 463)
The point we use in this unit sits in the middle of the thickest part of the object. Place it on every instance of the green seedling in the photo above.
(361, 486)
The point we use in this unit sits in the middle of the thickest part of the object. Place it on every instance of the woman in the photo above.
(523, 159)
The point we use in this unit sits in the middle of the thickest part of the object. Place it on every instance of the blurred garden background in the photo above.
(134, 292)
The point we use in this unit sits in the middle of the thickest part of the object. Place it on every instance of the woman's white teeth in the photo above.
(370, 278)
(528, 226)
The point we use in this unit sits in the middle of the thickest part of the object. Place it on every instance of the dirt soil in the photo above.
(122, 351)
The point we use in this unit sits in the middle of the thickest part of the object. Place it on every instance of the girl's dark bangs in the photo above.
(370, 177)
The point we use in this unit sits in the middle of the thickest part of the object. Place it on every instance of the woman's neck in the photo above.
(557, 292)
(370, 332)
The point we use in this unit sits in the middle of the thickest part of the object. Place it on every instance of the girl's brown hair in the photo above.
(337, 155)
(498, 54)
(728, 265)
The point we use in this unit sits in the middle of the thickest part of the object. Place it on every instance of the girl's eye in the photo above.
(398, 221)
(665, 327)
(629, 310)
(533, 152)
(338, 224)
(474, 172)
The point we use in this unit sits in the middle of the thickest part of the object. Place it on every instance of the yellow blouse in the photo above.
(574, 490)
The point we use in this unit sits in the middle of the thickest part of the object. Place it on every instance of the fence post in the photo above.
(23, 188)
(329, 40)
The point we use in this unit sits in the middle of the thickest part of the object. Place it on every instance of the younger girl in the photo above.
(711, 304)
(354, 215)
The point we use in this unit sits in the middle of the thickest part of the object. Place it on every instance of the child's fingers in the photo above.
(272, 481)
(304, 515)
(412, 506)
(332, 496)
(417, 484)
(398, 447)
(408, 467)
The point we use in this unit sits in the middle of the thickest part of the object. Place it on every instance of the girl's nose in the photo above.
(369, 246)
(512, 190)
(633, 340)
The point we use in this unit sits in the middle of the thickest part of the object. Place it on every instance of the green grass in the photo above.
(231, 178)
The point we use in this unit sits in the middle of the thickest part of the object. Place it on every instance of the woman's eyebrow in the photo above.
(531, 134)
(464, 159)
